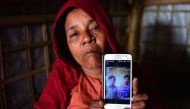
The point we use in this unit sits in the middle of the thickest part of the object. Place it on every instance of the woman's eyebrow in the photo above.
(91, 21)
(72, 27)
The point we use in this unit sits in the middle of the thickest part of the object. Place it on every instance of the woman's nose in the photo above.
(87, 38)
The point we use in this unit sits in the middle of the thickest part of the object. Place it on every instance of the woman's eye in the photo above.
(94, 28)
(74, 34)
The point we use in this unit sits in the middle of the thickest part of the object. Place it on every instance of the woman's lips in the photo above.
(96, 51)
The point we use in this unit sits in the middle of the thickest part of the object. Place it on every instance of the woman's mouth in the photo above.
(94, 51)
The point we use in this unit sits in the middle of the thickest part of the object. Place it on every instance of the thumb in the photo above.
(135, 86)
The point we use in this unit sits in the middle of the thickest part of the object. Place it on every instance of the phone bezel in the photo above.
(117, 57)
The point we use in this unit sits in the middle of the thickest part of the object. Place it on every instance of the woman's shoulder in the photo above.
(63, 72)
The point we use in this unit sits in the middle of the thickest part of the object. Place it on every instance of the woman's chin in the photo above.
(92, 65)
(92, 62)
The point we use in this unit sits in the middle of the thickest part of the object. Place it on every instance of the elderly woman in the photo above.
(82, 33)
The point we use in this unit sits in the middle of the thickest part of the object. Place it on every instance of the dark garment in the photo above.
(124, 92)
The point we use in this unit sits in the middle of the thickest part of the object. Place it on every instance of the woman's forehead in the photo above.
(77, 13)
(76, 17)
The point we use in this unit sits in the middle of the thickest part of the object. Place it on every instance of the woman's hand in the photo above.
(96, 104)
(139, 100)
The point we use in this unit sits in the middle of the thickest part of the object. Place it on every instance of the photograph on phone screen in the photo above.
(117, 80)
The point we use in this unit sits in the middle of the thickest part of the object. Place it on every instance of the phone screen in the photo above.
(117, 81)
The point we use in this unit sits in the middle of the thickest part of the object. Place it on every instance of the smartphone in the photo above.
(117, 81)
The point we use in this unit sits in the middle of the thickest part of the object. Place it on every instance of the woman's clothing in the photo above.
(87, 89)
(65, 86)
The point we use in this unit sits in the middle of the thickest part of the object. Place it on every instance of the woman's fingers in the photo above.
(135, 86)
(138, 105)
(140, 97)
(96, 104)
(139, 100)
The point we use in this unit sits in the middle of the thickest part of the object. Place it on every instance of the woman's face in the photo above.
(85, 39)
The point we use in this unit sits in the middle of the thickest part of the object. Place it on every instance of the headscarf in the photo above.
(96, 11)
(65, 71)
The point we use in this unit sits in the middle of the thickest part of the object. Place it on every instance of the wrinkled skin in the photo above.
(87, 43)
